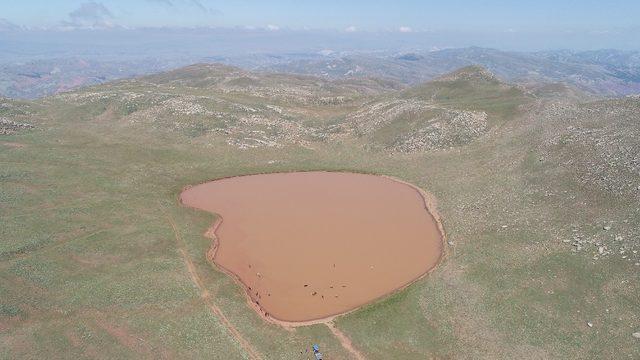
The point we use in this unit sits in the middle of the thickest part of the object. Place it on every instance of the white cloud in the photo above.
(273, 27)
(351, 29)
(90, 11)
(90, 15)
(198, 4)
(405, 29)
(6, 25)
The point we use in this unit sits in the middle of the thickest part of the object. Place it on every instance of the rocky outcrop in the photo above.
(8, 127)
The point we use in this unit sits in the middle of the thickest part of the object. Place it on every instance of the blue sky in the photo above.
(368, 15)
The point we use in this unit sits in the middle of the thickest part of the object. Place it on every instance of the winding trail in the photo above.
(206, 296)
(344, 341)
(207, 299)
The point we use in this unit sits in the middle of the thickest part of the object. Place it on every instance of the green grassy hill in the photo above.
(449, 111)
(98, 259)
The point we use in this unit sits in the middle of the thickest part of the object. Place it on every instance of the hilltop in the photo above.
(452, 110)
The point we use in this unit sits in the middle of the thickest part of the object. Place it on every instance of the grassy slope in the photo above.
(471, 88)
(468, 89)
(90, 266)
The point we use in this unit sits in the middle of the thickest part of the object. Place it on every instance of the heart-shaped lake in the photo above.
(312, 245)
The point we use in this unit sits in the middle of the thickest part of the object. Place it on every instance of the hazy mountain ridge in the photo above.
(34, 79)
(604, 73)
(600, 73)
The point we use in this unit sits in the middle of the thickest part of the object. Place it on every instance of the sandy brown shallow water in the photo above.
(311, 245)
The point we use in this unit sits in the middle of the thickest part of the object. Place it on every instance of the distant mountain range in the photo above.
(38, 78)
(603, 73)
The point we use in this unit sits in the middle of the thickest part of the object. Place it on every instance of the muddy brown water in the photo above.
(312, 245)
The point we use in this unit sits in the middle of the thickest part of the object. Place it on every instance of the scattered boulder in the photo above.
(8, 127)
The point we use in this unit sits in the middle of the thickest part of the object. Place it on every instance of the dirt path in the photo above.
(12, 144)
(345, 341)
(206, 296)
(126, 338)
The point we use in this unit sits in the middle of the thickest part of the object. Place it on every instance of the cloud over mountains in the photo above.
(90, 15)
(193, 3)
(6, 25)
